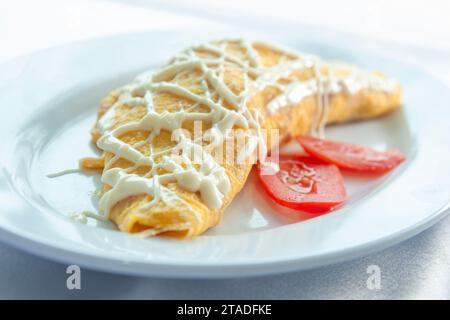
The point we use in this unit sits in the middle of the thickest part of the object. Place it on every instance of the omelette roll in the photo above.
(160, 177)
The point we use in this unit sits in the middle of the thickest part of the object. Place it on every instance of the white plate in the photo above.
(48, 102)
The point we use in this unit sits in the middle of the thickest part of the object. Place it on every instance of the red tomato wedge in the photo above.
(351, 156)
(304, 183)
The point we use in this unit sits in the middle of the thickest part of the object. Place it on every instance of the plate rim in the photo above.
(233, 270)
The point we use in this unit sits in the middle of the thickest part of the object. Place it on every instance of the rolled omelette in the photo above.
(179, 142)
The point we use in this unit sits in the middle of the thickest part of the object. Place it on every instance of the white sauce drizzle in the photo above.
(210, 179)
(63, 173)
(82, 217)
(324, 87)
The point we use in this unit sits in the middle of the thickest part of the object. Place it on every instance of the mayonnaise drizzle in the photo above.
(210, 178)
(322, 86)
(82, 217)
(63, 173)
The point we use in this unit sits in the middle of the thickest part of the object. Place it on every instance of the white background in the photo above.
(27, 25)
(417, 29)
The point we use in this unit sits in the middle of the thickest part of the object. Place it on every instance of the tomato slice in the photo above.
(304, 183)
(351, 156)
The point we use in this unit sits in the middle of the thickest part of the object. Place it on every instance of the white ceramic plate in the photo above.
(48, 102)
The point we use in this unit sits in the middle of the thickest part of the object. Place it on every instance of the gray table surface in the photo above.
(418, 268)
